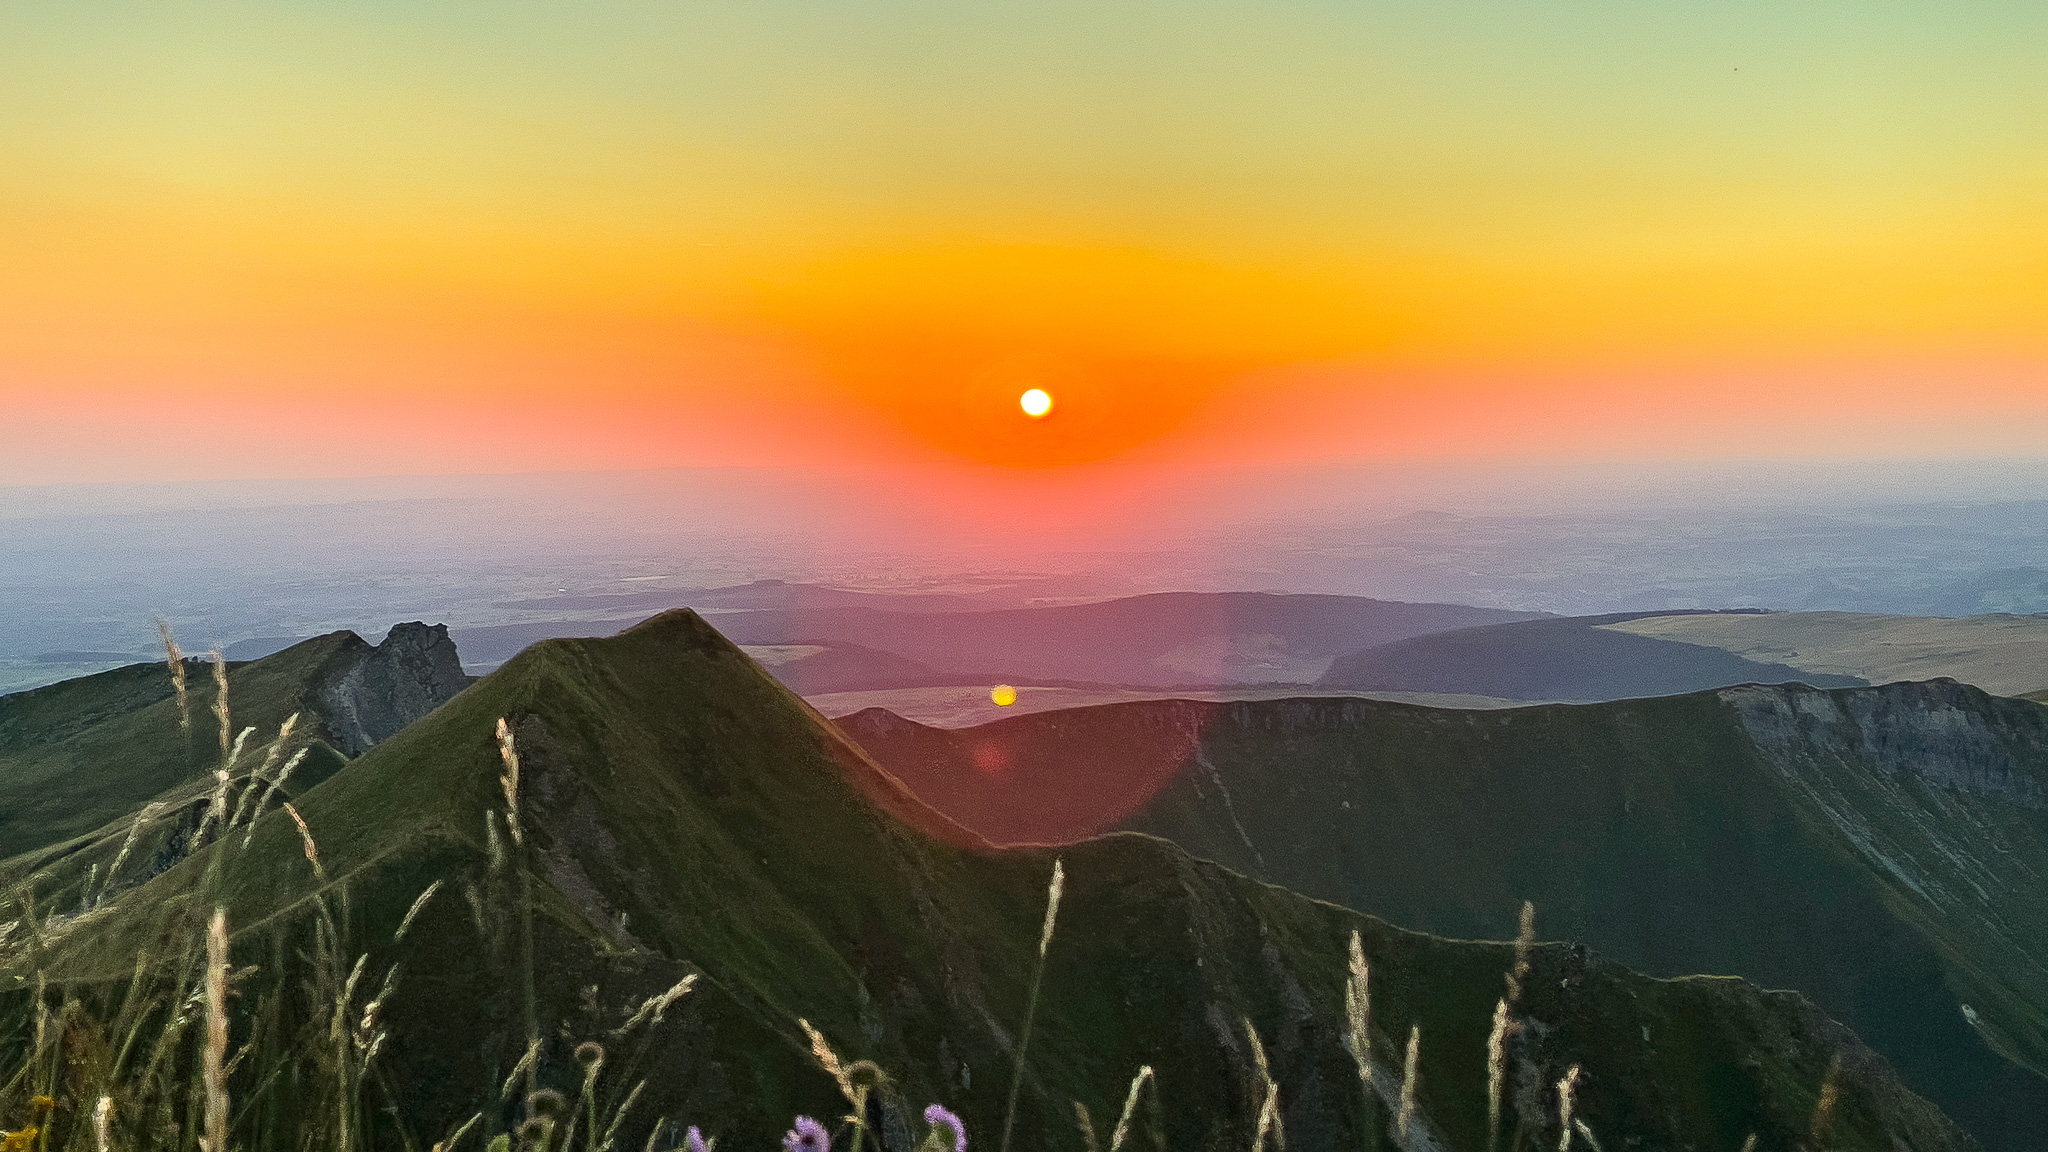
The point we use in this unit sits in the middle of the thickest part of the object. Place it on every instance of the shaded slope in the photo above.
(687, 814)
(1570, 659)
(1878, 849)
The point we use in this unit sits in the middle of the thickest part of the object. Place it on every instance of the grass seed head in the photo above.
(1123, 1124)
(306, 838)
(1411, 1082)
(220, 699)
(1052, 906)
(1525, 947)
(509, 781)
(1358, 1010)
(214, 1055)
(176, 660)
(1496, 1069)
(1567, 1100)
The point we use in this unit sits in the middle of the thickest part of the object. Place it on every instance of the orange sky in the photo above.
(322, 240)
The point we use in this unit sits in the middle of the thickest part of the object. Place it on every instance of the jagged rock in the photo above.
(368, 694)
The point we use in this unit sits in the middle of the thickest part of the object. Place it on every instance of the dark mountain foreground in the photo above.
(670, 861)
(1878, 849)
(1577, 658)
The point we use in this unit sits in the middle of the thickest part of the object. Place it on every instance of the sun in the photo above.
(1036, 402)
(1003, 695)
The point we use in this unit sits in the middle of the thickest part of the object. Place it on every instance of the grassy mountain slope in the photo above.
(1570, 659)
(2003, 654)
(1877, 849)
(78, 759)
(684, 813)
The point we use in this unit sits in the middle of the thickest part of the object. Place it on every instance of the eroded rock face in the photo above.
(374, 692)
(1946, 734)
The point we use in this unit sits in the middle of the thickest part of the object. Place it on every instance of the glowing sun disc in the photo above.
(1036, 402)
(1003, 695)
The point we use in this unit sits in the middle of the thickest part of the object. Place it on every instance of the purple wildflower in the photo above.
(694, 1141)
(936, 1114)
(807, 1136)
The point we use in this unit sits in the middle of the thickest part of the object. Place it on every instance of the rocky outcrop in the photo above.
(370, 693)
(1943, 733)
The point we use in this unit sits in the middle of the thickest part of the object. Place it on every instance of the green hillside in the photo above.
(80, 758)
(1878, 849)
(684, 814)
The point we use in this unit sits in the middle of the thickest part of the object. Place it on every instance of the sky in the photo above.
(324, 239)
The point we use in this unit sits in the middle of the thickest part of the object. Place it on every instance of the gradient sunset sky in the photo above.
(319, 239)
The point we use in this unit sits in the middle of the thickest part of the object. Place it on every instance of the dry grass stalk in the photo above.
(1087, 1125)
(509, 753)
(1497, 1069)
(455, 1137)
(654, 1007)
(1411, 1080)
(176, 659)
(272, 789)
(827, 1059)
(611, 1130)
(1567, 1100)
(306, 837)
(520, 1069)
(856, 1080)
(262, 773)
(413, 912)
(1358, 1012)
(1052, 911)
(1525, 945)
(103, 1124)
(1052, 907)
(1269, 1107)
(142, 819)
(220, 698)
(1123, 1124)
(215, 1053)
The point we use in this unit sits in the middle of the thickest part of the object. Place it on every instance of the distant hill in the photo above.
(685, 815)
(1576, 658)
(2003, 654)
(1877, 849)
(1164, 640)
(1169, 639)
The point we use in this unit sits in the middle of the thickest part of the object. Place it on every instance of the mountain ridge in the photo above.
(684, 814)
(1669, 832)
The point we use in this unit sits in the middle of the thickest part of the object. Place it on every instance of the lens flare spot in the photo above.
(1003, 695)
(990, 760)
(1036, 402)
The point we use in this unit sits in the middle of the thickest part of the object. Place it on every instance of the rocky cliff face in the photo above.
(1943, 790)
(368, 694)
(1939, 732)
